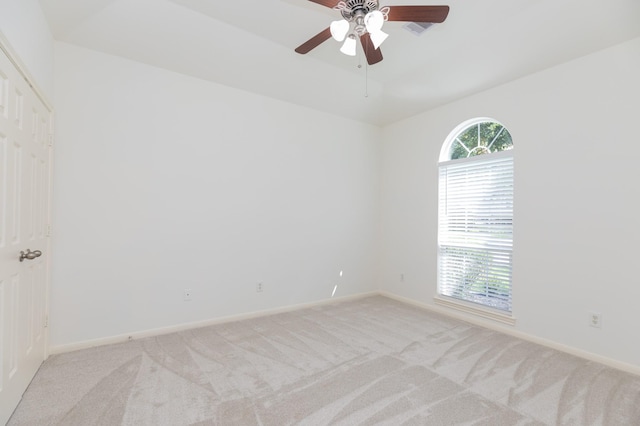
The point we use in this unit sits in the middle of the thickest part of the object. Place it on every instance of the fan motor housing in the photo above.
(358, 7)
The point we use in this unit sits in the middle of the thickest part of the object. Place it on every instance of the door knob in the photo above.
(30, 255)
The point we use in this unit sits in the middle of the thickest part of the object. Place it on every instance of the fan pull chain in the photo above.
(366, 74)
(366, 80)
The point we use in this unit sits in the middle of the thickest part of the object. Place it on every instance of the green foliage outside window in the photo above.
(482, 138)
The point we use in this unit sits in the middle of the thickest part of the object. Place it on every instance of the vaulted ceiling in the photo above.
(250, 45)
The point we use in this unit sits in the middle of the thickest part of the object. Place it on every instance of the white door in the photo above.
(25, 128)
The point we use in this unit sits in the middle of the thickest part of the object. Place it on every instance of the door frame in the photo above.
(14, 58)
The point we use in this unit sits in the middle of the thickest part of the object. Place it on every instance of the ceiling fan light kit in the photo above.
(349, 46)
(378, 37)
(364, 19)
(339, 29)
(365, 16)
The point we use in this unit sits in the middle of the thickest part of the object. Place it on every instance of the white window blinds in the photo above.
(475, 230)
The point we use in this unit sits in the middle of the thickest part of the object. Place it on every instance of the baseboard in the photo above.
(609, 362)
(87, 344)
(629, 368)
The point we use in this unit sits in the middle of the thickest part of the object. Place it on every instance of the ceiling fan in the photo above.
(367, 18)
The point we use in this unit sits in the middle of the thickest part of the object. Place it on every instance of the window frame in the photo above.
(452, 302)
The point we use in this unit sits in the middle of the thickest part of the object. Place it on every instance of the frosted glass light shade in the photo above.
(378, 37)
(374, 21)
(339, 29)
(349, 46)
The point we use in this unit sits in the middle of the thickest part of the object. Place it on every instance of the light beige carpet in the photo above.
(364, 362)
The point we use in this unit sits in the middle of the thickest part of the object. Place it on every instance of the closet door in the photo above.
(25, 130)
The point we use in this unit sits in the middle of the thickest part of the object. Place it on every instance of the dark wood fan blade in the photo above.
(328, 3)
(434, 14)
(373, 55)
(314, 42)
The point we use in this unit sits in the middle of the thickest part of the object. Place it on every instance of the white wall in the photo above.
(575, 130)
(165, 182)
(23, 24)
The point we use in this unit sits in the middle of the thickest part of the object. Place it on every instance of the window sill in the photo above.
(468, 308)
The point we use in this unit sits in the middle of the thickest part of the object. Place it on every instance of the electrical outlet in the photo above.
(595, 319)
(187, 295)
(259, 287)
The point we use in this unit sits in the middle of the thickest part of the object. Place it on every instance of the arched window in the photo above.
(475, 217)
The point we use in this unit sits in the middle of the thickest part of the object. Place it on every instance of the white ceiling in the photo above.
(250, 45)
